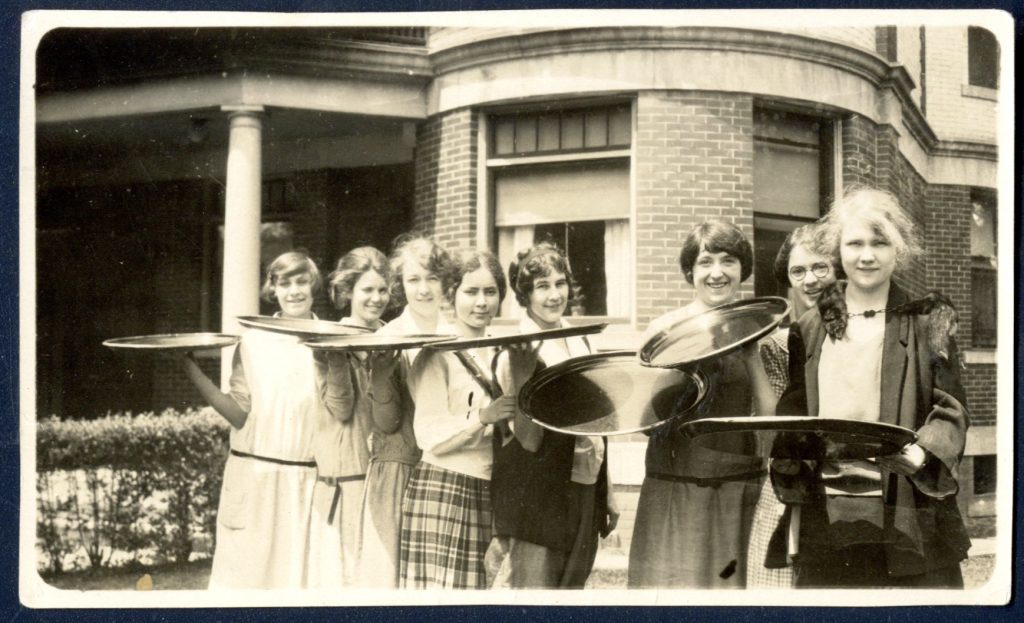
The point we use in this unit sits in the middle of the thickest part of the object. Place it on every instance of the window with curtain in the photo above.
(983, 269)
(793, 183)
(563, 176)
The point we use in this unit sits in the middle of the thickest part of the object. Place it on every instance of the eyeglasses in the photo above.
(820, 270)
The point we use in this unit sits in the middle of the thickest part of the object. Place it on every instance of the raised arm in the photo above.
(336, 385)
(225, 404)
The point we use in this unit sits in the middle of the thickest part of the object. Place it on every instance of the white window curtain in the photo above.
(512, 240)
(618, 263)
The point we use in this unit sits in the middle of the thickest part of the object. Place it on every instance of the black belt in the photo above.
(335, 481)
(269, 459)
(708, 482)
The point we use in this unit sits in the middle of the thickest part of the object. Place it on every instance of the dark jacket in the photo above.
(922, 529)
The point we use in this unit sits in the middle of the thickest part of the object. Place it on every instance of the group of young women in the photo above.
(415, 469)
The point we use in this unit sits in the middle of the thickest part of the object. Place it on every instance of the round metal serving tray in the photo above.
(515, 338)
(713, 333)
(374, 342)
(609, 394)
(801, 437)
(173, 342)
(301, 327)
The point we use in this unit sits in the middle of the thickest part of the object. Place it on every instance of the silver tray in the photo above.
(374, 342)
(714, 333)
(609, 394)
(173, 341)
(516, 338)
(801, 437)
(301, 327)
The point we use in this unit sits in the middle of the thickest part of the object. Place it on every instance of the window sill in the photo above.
(984, 93)
(983, 356)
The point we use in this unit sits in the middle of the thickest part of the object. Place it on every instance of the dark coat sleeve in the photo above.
(794, 399)
(944, 420)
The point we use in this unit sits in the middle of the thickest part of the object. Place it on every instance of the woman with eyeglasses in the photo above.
(803, 266)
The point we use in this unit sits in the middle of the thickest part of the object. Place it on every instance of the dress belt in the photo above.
(336, 482)
(268, 459)
(708, 482)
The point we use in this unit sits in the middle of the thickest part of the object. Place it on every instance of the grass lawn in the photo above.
(186, 576)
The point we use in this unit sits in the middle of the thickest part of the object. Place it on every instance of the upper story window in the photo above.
(982, 58)
(793, 183)
(562, 175)
(984, 301)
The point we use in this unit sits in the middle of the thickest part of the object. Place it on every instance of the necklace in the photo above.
(869, 313)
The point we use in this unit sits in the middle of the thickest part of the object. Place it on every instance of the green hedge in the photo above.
(142, 485)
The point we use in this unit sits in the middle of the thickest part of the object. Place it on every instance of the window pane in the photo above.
(983, 230)
(787, 180)
(620, 126)
(982, 58)
(983, 307)
(504, 136)
(584, 244)
(547, 133)
(594, 190)
(769, 234)
(572, 130)
(596, 134)
(526, 134)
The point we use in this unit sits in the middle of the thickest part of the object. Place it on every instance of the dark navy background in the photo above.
(11, 609)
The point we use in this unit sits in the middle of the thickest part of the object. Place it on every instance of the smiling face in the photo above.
(868, 258)
(422, 289)
(476, 301)
(807, 290)
(716, 277)
(294, 293)
(369, 298)
(548, 299)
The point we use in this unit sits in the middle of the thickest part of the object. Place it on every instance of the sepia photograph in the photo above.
(566, 307)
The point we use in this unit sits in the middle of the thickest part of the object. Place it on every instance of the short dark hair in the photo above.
(716, 237)
(537, 261)
(466, 261)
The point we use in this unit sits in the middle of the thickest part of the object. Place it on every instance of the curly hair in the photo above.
(540, 260)
(716, 237)
(465, 261)
(430, 255)
(811, 237)
(350, 268)
(881, 211)
(287, 265)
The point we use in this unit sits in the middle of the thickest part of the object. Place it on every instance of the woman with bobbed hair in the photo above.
(359, 286)
(868, 352)
(803, 267)
(550, 491)
(420, 273)
(446, 512)
(696, 503)
(274, 408)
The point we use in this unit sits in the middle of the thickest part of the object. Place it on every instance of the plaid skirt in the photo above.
(766, 518)
(446, 528)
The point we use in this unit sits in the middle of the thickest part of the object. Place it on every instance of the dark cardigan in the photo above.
(532, 497)
(922, 529)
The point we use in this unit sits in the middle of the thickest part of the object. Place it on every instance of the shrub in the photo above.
(129, 484)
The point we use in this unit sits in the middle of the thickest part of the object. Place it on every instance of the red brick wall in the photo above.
(859, 153)
(980, 383)
(948, 241)
(446, 178)
(694, 158)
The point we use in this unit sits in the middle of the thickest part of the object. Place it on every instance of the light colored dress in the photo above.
(342, 455)
(393, 456)
(263, 520)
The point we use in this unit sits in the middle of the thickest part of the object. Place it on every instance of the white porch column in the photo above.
(243, 192)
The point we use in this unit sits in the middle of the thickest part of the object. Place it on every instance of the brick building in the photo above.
(172, 163)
